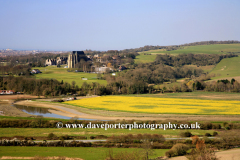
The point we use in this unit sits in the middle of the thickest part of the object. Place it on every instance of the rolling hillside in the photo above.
(200, 49)
(228, 68)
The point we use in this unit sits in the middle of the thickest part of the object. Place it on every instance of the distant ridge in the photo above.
(174, 47)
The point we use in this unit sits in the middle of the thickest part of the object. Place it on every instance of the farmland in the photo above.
(198, 106)
(161, 105)
(43, 132)
(145, 58)
(199, 49)
(228, 67)
(62, 74)
(87, 153)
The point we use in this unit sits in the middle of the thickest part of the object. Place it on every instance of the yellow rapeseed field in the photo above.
(159, 105)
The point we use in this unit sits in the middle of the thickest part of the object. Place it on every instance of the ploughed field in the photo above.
(160, 105)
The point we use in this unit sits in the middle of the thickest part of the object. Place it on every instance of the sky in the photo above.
(115, 24)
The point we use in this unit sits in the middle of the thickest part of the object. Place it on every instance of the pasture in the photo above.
(86, 153)
(200, 49)
(43, 132)
(53, 72)
(145, 58)
(160, 105)
(228, 67)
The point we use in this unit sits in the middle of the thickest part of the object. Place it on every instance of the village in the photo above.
(88, 63)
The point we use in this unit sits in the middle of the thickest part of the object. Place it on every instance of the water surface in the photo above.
(38, 111)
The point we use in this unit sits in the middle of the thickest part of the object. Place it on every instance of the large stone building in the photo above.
(75, 57)
(50, 62)
(61, 60)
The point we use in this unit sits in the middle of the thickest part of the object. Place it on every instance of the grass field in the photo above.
(43, 132)
(86, 153)
(145, 58)
(160, 105)
(200, 49)
(53, 72)
(228, 67)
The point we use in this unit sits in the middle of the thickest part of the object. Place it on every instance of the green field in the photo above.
(43, 132)
(228, 67)
(145, 58)
(53, 72)
(86, 153)
(200, 49)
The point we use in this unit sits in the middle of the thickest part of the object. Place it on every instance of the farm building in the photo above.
(7, 92)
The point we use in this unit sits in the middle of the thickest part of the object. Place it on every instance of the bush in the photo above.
(207, 140)
(227, 127)
(101, 137)
(208, 135)
(215, 134)
(216, 126)
(180, 149)
(169, 153)
(52, 136)
(61, 138)
(65, 137)
(236, 126)
(185, 134)
(207, 126)
(57, 100)
(188, 141)
(177, 150)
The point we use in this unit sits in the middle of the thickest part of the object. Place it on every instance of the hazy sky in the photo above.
(115, 24)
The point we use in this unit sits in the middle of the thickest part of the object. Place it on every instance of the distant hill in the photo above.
(199, 49)
(149, 56)
(175, 47)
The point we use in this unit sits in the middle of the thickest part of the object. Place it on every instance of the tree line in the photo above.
(34, 60)
(18, 70)
(52, 87)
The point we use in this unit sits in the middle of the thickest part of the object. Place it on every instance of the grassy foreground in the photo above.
(86, 153)
(62, 74)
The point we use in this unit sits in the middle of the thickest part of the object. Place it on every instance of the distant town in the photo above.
(11, 52)
(98, 64)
